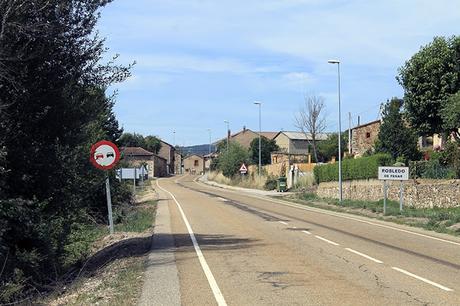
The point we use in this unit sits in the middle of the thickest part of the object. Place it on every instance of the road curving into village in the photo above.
(233, 248)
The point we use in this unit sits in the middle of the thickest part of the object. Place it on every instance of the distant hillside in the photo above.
(197, 149)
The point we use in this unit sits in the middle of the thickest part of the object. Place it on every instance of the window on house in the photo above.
(195, 163)
(368, 135)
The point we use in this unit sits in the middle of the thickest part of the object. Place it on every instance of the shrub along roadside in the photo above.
(435, 219)
(352, 169)
(118, 281)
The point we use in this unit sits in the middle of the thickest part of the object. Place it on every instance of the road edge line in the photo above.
(204, 265)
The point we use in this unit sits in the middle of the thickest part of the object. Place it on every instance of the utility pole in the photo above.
(228, 132)
(349, 133)
(260, 132)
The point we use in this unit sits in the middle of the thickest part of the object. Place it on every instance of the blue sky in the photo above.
(200, 62)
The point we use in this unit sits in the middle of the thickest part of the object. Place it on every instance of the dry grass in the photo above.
(306, 180)
(249, 181)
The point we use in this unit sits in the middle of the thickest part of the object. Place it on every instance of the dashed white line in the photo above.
(422, 279)
(364, 255)
(306, 232)
(341, 215)
(326, 240)
(282, 222)
(204, 265)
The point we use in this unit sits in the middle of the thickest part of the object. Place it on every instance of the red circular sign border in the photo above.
(93, 150)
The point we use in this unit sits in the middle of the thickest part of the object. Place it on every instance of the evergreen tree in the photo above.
(395, 137)
(52, 108)
(268, 146)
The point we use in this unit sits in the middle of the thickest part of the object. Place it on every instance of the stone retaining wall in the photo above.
(420, 193)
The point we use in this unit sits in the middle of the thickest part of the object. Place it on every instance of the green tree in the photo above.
(429, 78)
(53, 106)
(152, 144)
(230, 161)
(451, 116)
(132, 140)
(395, 137)
(268, 146)
(330, 147)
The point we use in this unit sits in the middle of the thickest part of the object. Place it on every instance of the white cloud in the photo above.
(176, 63)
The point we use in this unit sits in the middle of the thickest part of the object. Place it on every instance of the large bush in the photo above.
(231, 160)
(352, 169)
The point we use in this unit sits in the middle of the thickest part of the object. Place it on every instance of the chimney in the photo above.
(358, 120)
(244, 128)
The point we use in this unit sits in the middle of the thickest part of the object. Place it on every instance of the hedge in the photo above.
(353, 169)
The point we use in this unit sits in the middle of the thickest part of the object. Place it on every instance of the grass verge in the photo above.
(442, 220)
(119, 279)
(138, 218)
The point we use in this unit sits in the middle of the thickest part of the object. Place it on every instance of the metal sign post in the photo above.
(401, 195)
(384, 197)
(109, 203)
(104, 155)
(393, 174)
(134, 180)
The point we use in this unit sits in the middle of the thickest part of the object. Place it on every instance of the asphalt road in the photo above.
(231, 248)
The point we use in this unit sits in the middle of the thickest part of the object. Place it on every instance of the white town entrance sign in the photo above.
(394, 173)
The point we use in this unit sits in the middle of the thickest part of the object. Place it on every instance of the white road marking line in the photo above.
(282, 222)
(325, 212)
(222, 199)
(364, 255)
(204, 265)
(326, 240)
(422, 279)
(306, 232)
(294, 227)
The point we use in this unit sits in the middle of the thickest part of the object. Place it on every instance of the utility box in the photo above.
(282, 186)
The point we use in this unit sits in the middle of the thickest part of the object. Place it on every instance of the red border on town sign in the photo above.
(93, 150)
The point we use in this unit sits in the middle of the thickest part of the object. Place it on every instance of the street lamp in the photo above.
(340, 130)
(228, 129)
(209, 131)
(260, 131)
(174, 138)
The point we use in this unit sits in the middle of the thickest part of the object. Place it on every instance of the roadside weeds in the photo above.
(114, 273)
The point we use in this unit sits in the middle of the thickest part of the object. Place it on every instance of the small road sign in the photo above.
(104, 155)
(243, 169)
(394, 173)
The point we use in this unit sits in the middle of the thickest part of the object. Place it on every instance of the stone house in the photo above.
(137, 156)
(178, 163)
(289, 159)
(194, 164)
(296, 143)
(246, 136)
(167, 151)
(363, 137)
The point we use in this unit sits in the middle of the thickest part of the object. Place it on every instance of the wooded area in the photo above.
(53, 106)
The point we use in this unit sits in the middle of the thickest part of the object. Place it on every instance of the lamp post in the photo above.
(209, 131)
(340, 130)
(174, 138)
(228, 129)
(260, 131)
